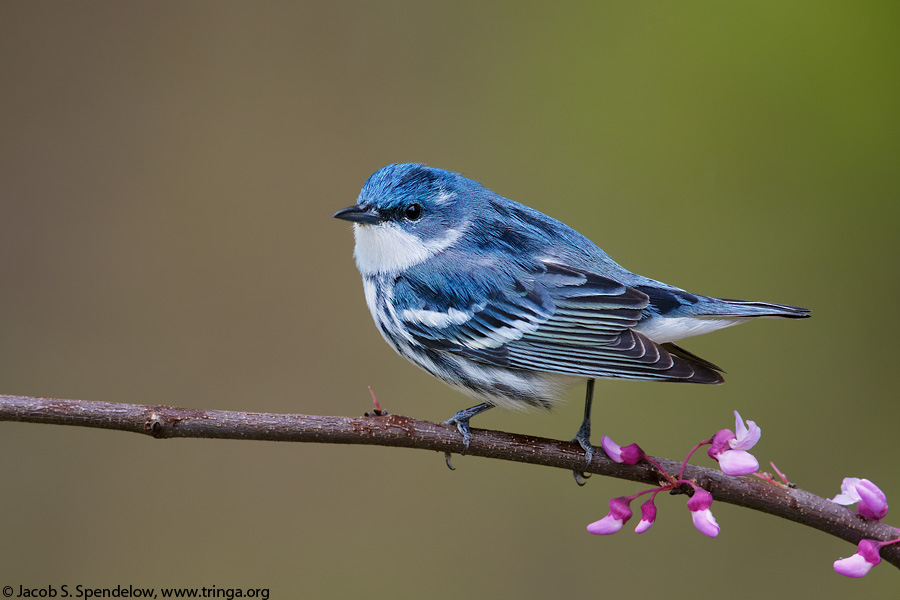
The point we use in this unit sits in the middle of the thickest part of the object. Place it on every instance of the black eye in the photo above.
(413, 212)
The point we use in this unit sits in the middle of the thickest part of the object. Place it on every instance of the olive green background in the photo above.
(167, 175)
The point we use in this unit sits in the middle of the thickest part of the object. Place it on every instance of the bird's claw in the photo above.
(588, 450)
(583, 438)
(462, 425)
(447, 460)
(461, 420)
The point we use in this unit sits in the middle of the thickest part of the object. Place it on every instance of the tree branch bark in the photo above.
(164, 422)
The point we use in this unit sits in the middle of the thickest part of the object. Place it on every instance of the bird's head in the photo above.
(407, 213)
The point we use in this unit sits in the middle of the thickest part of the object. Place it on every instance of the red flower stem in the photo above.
(689, 454)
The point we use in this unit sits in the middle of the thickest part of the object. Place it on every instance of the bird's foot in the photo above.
(462, 424)
(461, 420)
(583, 437)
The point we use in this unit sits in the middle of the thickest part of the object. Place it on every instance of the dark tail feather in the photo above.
(704, 371)
(768, 309)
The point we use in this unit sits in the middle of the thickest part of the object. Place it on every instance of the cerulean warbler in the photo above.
(511, 306)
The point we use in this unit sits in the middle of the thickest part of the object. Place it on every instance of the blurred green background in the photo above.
(167, 175)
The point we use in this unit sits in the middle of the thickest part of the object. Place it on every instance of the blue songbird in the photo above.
(509, 305)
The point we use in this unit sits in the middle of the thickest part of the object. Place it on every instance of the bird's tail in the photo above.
(743, 308)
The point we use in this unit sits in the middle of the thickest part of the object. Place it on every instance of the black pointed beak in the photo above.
(358, 214)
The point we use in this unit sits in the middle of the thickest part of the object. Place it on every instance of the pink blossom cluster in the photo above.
(729, 448)
(870, 503)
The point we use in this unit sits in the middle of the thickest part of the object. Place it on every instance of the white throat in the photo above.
(386, 248)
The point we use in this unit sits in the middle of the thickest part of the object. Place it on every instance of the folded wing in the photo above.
(559, 320)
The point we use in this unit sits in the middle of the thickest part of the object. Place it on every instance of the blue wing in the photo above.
(559, 319)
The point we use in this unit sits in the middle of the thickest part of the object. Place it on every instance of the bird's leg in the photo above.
(583, 437)
(461, 420)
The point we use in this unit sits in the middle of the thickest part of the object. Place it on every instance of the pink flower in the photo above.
(860, 563)
(730, 450)
(648, 516)
(619, 513)
(703, 518)
(629, 455)
(870, 500)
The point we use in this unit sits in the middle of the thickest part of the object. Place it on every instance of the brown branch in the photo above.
(394, 430)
